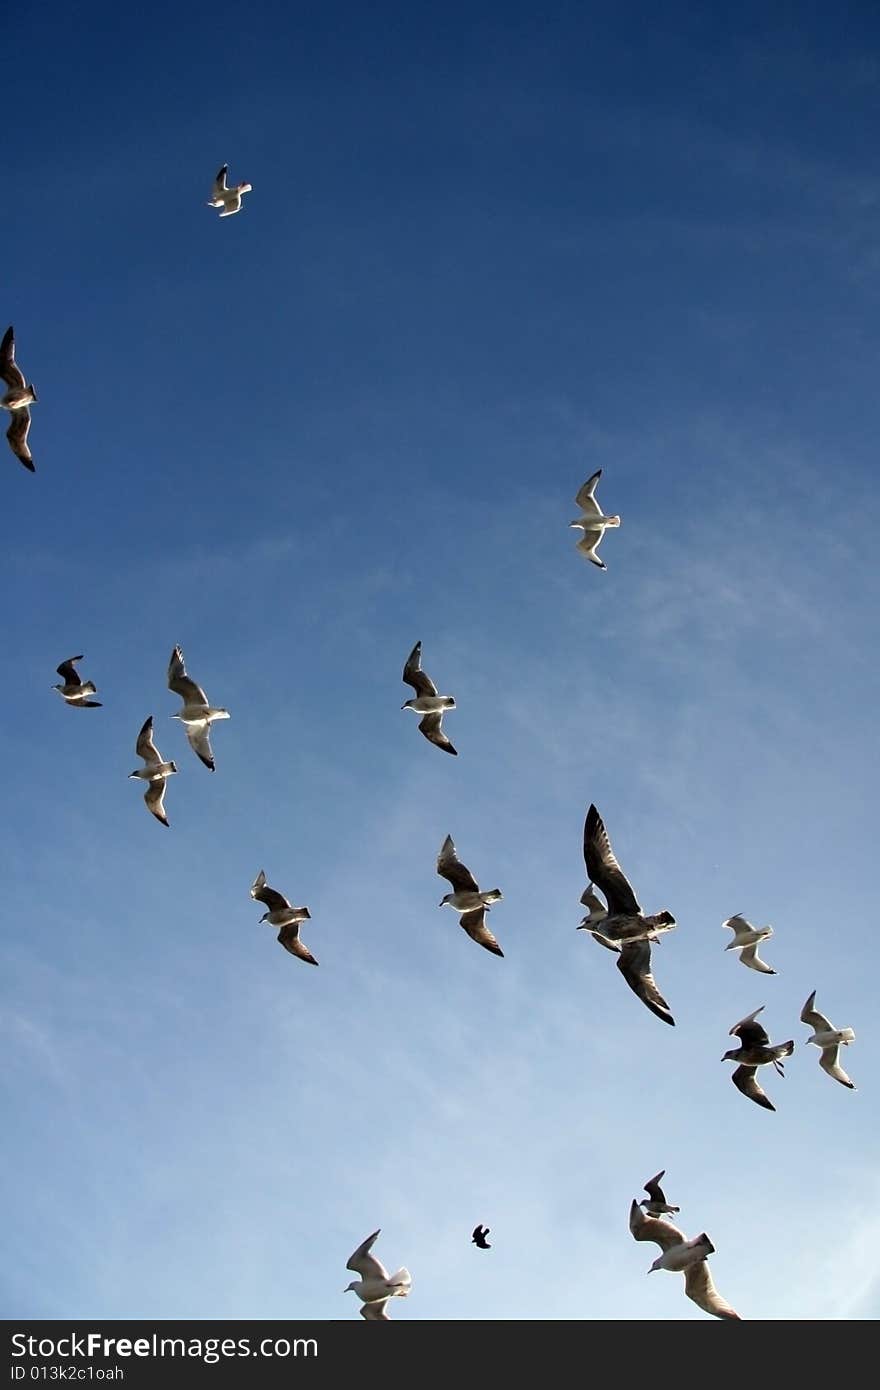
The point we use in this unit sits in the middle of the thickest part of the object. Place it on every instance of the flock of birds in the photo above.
(618, 923)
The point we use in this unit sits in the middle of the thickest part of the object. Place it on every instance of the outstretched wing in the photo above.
(220, 182)
(289, 938)
(68, 672)
(749, 956)
(154, 796)
(653, 1188)
(828, 1062)
(745, 1079)
(586, 497)
(431, 727)
(818, 1022)
(375, 1312)
(750, 1033)
(264, 894)
(145, 747)
(450, 867)
(604, 870)
(180, 683)
(17, 435)
(634, 964)
(9, 368)
(199, 737)
(663, 1233)
(414, 675)
(474, 924)
(365, 1264)
(699, 1287)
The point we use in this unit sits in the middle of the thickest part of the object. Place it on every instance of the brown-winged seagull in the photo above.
(229, 199)
(155, 771)
(376, 1285)
(593, 523)
(684, 1256)
(467, 897)
(282, 915)
(755, 1051)
(622, 926)
(655, 1203)
(427, 702)
(829, 1039)
(75, 691)
(746, 940)
(17, 400)
(197, 715)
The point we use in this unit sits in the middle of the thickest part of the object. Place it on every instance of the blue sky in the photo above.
(488, 250)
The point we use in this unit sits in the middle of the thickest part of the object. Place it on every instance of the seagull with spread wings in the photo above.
(655, 1203)
(427, 702)
(229, 199)
(746, 940)
(755, 1050)
(196, 715)
(155, 771)
(73, 690)
(17, 400)
(593, 522)
(829, 1039)
(376, 1285)
(622, 926)
(687, 1257)
(281, 914)
(467, 898)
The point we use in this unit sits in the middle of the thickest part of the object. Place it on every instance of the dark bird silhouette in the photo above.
(755, 1051)
(479, 1237)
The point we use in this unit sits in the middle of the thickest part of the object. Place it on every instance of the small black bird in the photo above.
(479, 1237)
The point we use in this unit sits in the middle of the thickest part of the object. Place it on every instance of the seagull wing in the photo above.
(653, 1188)
(145, 747)
(586, 499)
(699, 1287)
(220, 182)
(264, 894)
(604, 870)
(749, 956)
(828, 1062)
(154, 797)
(474, 924)
(289, 938)
(17, 435)
(663, 1233)
(431, 727)
(634, 964)
(745, 1079)
(9, 368)
(199, 737)
(68, 672)
(180, 683)
(414, 675)
(375, 1312)
(818, 1022)
(750, 1033)
(450, 867)
(365, 1264)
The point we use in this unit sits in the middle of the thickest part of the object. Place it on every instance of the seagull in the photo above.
(656, 1203)
(684, 1256)
(376, 1285)
(755, 1051)
(196, 715)
(749, 938)
(593, 523)
(17, 401)
(282, 915)
(155, 771)
(74, 691)
(621, 926)
(829, 1039)
(229, 199)
(427, 702)
(467, 898)
(479, 1237)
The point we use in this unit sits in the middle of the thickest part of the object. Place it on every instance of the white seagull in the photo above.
(687, 1257)
(229, 199)
(197, 714)
(593, 523)
(747, 939)
(376, 1285)
(655, 1203)
(75, 691)
(467, 897)
(829, 1039)
(17, 400)
(282, 915)
(155, 771)
(427, 702)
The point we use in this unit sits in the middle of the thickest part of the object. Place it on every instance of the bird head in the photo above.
(658, 1264)
(351, 1288)
(265, 917)
(407, 704)
(445, 902)
(731, 1056)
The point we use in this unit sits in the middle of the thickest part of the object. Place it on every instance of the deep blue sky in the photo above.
(488, 250)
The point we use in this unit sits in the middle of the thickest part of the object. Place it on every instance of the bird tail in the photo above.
(847, 1035)
(89, 688)
(784, 1049)
(710, 1248)
(33, 390)
(401, 1282)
